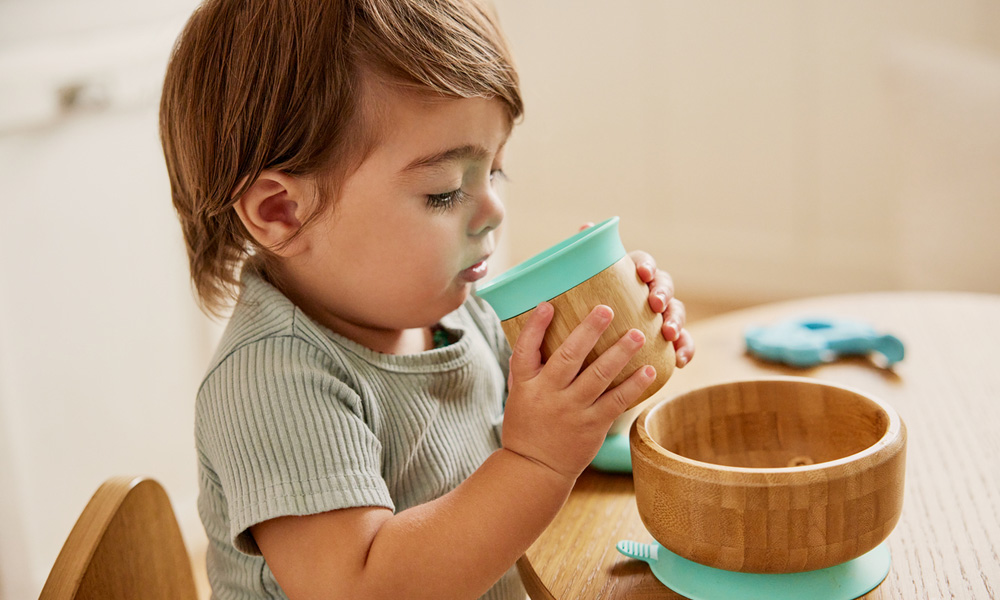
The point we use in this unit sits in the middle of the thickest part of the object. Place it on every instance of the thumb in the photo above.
(526, 356)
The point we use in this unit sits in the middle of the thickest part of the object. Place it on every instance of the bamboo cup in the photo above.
(586, 270)
(771, 476)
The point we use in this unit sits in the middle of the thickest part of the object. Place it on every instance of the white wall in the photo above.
(760, 150)
(101, 345)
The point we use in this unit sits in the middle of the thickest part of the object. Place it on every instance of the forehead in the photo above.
(417, 129)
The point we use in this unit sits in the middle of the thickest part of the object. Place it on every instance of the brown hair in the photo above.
(277, 84)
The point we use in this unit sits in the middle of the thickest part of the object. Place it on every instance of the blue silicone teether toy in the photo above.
(806, 342)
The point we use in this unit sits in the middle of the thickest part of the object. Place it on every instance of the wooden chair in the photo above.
(125, 545)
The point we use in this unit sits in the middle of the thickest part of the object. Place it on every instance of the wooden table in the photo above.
(947, 390)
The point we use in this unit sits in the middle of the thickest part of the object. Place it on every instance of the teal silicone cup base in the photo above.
(615, 456)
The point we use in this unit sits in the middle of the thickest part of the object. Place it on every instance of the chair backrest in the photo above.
(125, 545)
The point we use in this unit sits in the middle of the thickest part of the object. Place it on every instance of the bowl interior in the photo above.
(767, 424)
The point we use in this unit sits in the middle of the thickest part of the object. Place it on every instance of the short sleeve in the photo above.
(286, 437)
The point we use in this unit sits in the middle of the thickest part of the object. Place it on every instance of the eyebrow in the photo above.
(467, 152)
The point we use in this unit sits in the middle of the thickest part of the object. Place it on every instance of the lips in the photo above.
(475, 272)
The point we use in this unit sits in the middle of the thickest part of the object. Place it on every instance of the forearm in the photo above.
(459, 544)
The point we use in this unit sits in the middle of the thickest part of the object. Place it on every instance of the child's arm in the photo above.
(458, 545)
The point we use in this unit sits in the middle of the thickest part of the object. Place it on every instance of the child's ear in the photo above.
(272, 209)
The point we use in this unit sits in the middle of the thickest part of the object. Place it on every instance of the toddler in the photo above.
(334, 164)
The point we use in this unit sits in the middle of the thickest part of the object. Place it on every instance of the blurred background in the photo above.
(759, 150)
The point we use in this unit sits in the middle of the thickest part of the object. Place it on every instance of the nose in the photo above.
(489, 214)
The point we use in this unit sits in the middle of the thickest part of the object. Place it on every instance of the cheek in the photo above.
(432, 264)
(414, 261)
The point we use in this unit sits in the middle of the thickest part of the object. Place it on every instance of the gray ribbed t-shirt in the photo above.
(293, 419)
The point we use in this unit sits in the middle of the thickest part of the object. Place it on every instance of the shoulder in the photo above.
(270, 342)
(264, 318)
(274, 368)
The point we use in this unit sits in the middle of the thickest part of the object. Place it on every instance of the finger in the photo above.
(619, 398)
(565, 363)
(526, 355)
(673, 320)
(586, 225)
(661, 291)
(683, 348)
(645, 266)
(596, 378)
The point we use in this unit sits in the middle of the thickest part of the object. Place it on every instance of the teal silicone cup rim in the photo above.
(554, 271)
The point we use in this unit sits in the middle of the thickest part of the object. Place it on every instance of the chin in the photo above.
(445, 305)
(459, 299)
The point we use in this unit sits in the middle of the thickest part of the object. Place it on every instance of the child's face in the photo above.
(412, 227)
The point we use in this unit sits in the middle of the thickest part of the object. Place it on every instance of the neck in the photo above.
(386, 341)
(405, 341)
(379, 339)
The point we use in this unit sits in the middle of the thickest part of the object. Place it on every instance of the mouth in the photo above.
(476, 271)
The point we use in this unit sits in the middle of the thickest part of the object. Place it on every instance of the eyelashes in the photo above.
(443, 202)
(448, 200)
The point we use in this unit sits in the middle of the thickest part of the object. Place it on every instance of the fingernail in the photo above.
(649, 371)
(604, 312)
(682, 360)
(636, 336)
(663, 298)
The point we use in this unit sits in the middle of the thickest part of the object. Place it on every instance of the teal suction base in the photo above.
(846, 581)
(615, 455)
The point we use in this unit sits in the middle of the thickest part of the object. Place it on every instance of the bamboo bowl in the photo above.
(770, 476)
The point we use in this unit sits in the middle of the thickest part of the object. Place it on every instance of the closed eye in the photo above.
(447, 200)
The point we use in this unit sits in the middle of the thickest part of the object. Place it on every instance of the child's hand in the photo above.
(557, 415)
(661, 300)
